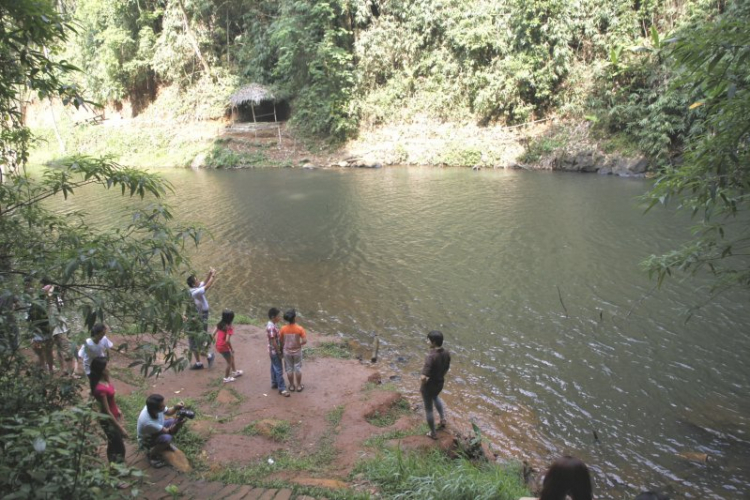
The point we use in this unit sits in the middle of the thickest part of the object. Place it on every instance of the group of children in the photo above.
(283, 344)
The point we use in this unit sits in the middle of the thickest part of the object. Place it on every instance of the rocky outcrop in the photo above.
(594, 161)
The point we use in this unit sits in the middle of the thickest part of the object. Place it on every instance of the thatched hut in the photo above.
(257, 103)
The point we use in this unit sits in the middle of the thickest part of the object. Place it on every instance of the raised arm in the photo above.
(210, 278)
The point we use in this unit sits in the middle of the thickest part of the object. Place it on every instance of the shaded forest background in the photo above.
(348, 64)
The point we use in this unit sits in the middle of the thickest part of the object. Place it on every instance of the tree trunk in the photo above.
(191, 38)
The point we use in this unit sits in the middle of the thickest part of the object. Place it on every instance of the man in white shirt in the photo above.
(154, 431)
(195, 339)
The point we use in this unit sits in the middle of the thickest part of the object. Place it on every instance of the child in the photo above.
(275, 353)
(293, 337)
(95, 347)
(223, 334)
(436, 365)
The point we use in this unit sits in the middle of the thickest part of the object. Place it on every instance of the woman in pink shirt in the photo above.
(104, 392)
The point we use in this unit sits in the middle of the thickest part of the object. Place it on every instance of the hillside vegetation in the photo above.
(346, 65)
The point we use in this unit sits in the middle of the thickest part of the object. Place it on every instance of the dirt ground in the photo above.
(330, 385)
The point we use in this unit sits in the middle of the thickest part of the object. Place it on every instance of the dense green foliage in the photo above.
(132, 274)
(346, 62)
(712, 66)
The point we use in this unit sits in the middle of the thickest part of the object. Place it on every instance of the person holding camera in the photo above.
(155, 432)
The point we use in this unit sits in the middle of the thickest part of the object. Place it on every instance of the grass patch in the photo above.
(372, 386)
(328, 350)
(433, 475)
(380, 440)
(393, 413)
(128, 376)
(147, 145)
(243, 319)
(543, 146)
(281, 431)
(221, 156)
(210, 396)
(619, 143)
(334, 416)
(458, 155)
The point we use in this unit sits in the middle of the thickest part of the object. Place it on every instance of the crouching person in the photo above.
(155, 432)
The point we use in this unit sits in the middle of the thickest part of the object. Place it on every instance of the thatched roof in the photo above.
(251, 94)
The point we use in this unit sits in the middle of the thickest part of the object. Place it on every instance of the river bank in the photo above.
(335, 439)
(159, 139)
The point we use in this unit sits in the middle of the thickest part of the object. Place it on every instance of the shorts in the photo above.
(40, 345)
(293, 363)
(63, 346)
(227, 355)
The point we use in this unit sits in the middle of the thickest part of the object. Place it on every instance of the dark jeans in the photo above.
(277, 373)
(197, 340)
(430, 398)
(115, 443)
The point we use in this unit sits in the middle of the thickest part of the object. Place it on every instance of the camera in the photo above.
(185, 413)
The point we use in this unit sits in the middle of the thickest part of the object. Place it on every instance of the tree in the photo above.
(131, 274)
(713, 183)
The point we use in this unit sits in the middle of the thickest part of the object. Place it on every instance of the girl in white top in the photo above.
(95, 347)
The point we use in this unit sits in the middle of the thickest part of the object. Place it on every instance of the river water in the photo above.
(560, 342)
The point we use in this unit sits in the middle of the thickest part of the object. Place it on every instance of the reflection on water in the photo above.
(560, 342)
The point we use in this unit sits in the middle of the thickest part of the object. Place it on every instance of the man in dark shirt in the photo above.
(436, 365)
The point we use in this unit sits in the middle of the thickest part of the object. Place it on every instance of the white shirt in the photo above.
(90, 350)
(199, 297)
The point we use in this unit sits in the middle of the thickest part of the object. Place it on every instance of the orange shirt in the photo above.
(291, 338)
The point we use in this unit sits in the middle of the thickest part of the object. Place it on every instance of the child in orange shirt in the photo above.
(293, 337)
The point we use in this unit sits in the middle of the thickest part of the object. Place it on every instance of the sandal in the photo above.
(442, 425)
(432, 436)
(156, 464)
(300, 388)
(292, 388)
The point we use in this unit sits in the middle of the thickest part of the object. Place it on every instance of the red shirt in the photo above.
(108, 391)
(223, 342)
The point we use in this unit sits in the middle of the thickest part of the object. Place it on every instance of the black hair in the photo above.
(227, 317)
(46, 281)
(191, 280)
(567, 476)
(98, 365)
(290, 316)
(436, 337)
(651, 495)
(153, 404)
(273, 312)
(98, 329)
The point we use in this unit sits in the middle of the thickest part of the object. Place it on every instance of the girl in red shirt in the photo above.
(222, 335)
(104, 392)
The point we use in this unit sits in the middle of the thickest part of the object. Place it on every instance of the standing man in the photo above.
(436, 365)
(196, 339)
